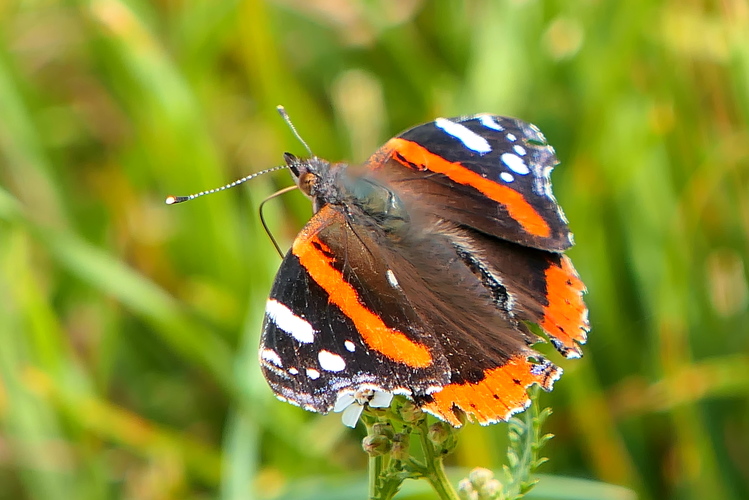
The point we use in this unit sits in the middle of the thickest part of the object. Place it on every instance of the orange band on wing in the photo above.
(498, 396)
(565, 316)
(518, 208)
(387, 341)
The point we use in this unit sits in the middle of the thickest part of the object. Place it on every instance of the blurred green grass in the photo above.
(128, 330)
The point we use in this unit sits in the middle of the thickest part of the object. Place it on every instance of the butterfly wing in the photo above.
(335, 323)
(434, 306)
(486, 171)
(542, 288)
(490, 175)
(355, 308)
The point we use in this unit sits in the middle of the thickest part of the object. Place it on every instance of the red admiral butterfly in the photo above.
(418, 273)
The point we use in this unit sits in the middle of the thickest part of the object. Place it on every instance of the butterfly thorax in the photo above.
(335, 184)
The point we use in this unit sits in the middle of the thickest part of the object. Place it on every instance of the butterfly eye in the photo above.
(307, 183)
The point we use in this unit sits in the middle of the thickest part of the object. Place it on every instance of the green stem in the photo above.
(389, 488)
(375, 471)
(388, 470)
(435, 470)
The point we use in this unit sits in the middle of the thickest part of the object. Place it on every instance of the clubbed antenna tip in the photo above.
(173, 200)
(285, 116)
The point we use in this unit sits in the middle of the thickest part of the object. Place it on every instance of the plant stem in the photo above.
(375, 471)
(388, 439)
(435, 470)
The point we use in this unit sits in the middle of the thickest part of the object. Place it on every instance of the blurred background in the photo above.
(129, 329)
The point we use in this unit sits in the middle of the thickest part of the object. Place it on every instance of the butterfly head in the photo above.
(314, 178)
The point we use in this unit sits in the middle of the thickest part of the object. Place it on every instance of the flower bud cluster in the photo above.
(479, 485)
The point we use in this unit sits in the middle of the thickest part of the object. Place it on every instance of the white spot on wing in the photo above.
(285, 319)
(488, 121)
(469, 138)
(511, 137)
(392, 279)
(519, 149)
(515, 163)
(350, 346)
(330, 361)
(312, 373)
(293, 371)
(271, 356)
(506, 176)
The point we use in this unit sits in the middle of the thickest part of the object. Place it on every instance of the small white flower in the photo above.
(352, 404)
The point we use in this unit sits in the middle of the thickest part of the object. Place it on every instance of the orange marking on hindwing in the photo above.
(316, 258)
(565, 316)
(517, 207)
(502, 392)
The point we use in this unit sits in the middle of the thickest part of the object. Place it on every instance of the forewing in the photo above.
(336, 322)
(486, 172)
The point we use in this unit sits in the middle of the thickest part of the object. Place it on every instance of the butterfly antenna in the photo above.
(285, 116)
(173, 200)
(262, 217)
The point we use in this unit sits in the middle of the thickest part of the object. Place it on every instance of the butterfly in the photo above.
(420, 272)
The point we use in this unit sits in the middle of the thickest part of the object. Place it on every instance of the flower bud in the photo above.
(382, 429)
(376, 445)
(480, 476)
(410, 413)
(490, 489)
(466, 491)
(400, 449)
(438, 433)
